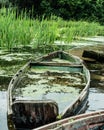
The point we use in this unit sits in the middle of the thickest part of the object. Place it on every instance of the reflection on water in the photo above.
(96, 99)
(3, 110)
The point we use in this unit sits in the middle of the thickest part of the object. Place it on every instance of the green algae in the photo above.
(10, 63)
(9, 70)
(14, 59)
(4, 82)
(45, 84)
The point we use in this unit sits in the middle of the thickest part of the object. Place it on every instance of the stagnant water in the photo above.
(96, 91)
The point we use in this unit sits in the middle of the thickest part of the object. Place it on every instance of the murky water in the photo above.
(96, 95)
(96, 91)
(3, 110)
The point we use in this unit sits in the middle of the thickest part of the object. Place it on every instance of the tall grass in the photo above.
(22, 31)
(14, 31)
(45, 33)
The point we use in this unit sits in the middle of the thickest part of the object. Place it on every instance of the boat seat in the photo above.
(32, 114)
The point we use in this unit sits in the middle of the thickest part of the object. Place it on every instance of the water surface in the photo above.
(96, 91)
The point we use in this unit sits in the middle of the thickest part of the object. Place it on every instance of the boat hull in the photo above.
(88, 121)
(22, 113)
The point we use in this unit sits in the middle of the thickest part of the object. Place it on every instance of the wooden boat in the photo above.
(88, 121)
(50, 88)
(93, 56)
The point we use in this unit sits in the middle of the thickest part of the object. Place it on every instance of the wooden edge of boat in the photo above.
(79, 122)
(55, 64)
(59, 54)
(89, 60)
(11, 85)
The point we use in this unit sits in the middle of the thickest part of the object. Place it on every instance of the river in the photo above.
(96, 91)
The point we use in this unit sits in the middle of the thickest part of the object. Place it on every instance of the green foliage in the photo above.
(14, 32)
(92, 10)
(22, 31)
(4, 3)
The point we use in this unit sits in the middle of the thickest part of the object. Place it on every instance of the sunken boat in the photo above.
(87, 121)
(50, 88)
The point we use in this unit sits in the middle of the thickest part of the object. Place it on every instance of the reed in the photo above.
(45, 34)
(22, 31)
(14, 31)
(75, 29)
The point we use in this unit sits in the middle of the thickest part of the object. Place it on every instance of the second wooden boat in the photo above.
(87, 121)
(50, 88)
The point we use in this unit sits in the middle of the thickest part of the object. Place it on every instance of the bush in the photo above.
(4, 3)
(67, 9)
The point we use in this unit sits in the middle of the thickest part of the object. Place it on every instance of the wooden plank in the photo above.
(93, 55)
(55, 64)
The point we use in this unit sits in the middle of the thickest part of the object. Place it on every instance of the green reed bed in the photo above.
(21, 31)
(77, 29)
(14, 31)
(45, 33)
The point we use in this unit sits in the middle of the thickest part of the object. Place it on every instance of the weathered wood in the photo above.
(94, 55)
(56, 64)
(87, 121)
(37, 109)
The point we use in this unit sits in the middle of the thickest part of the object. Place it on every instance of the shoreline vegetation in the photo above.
(24, 31)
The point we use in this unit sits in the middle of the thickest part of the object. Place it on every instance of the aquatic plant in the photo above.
(17, 31)
(14, 31)
(45, 34)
